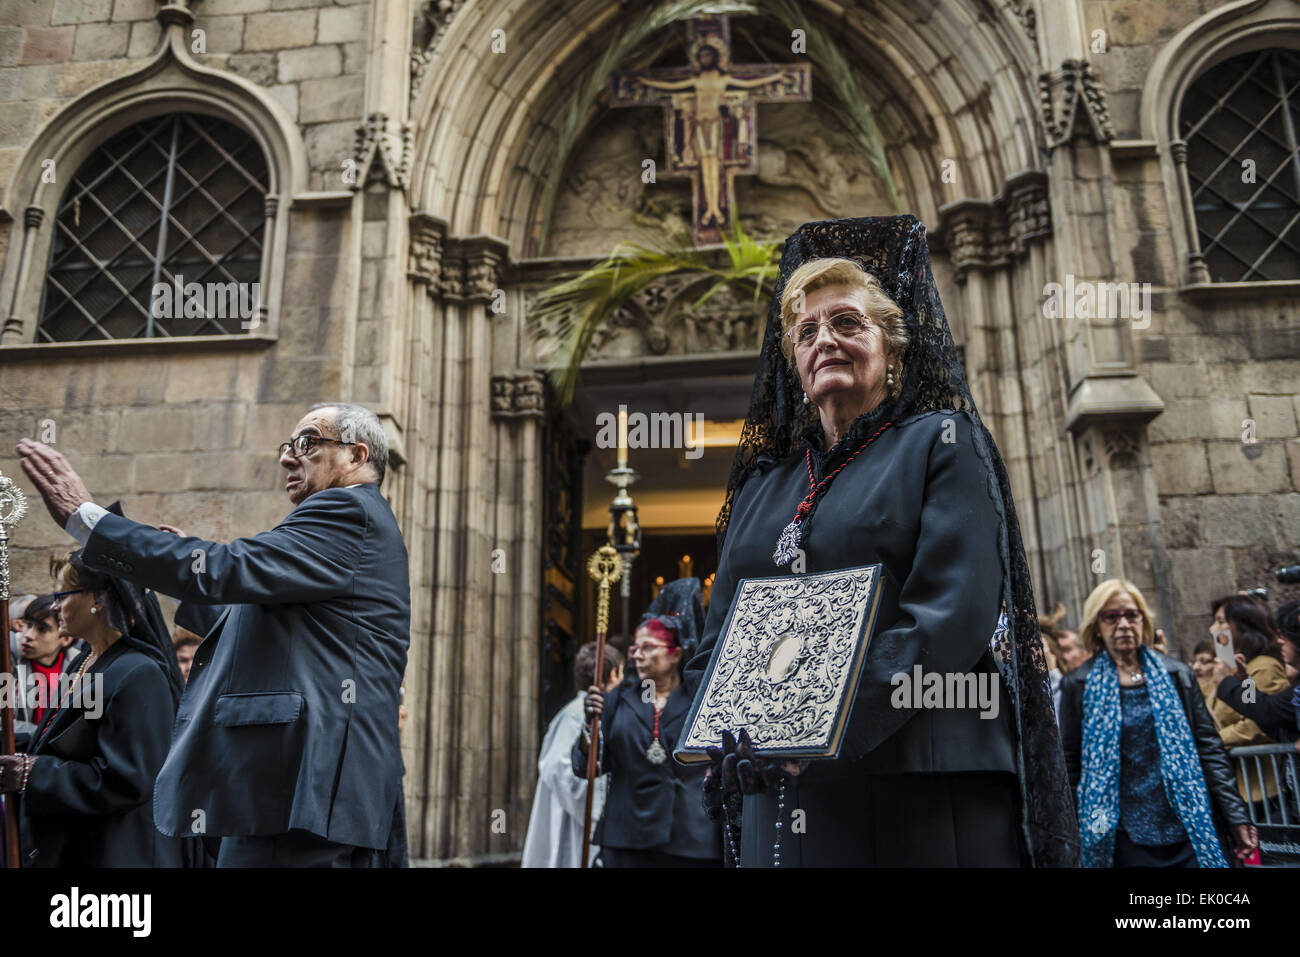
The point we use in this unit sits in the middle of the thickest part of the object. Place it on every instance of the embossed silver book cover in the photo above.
(787, 666)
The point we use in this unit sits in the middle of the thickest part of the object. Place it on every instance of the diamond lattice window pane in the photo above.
(180, 197)
(1243, 163)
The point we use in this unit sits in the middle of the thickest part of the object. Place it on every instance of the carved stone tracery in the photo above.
(1121, 447)
(431, 23)
(1024, 12)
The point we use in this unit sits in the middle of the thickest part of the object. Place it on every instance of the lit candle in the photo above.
(622, 436)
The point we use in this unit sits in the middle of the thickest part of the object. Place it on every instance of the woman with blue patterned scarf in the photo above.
(1153, 782)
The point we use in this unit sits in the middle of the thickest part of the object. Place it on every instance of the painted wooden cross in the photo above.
(710, 120)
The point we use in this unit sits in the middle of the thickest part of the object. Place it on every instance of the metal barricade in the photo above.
(1276, 817)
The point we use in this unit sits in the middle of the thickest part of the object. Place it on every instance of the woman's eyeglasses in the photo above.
(305, 443)
(1112, 618)
(847, 325)
(644, 647)
(63, 594)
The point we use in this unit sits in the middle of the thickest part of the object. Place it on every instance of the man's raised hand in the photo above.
(59, 486)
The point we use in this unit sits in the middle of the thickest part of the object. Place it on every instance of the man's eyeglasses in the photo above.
(305, 443)
(847, 325)
(1131, 615)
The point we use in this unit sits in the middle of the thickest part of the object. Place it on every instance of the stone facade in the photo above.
(411, 167)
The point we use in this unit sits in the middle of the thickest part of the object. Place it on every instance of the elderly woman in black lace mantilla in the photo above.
(863, 446)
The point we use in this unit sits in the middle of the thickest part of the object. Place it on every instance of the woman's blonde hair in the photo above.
(1090, 634)
(879, 308)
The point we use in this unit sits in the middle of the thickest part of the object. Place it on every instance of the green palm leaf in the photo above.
(581, 302)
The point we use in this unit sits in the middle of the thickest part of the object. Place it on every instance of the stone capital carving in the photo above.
(424, 257)
(987, 234)
(518, 395)
(383, 151)
(1028, 210)
(471, 268)
(1065, 93)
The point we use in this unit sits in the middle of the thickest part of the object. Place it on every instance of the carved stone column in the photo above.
(477, 672)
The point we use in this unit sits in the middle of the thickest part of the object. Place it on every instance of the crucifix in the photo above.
(710, 120)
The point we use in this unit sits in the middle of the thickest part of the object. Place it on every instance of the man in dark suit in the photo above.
(285, 743)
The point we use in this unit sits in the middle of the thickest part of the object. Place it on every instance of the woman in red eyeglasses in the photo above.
(653, 813)
(1153, 782)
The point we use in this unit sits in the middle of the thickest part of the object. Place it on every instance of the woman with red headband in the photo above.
(653, 813)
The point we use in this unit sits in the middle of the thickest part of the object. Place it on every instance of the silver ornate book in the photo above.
(787, 664)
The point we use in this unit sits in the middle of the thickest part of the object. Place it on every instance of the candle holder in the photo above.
(624, 529)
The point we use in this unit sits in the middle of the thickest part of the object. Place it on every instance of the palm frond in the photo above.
(581, 302)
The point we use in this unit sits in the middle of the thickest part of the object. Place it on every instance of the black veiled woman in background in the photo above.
(87, 779)
(862, 445)
(653, 816)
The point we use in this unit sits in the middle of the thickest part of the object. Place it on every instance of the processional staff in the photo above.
(13, 506)
(606, 567)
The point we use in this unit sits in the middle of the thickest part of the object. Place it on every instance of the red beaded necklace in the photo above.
(656, 753)
(788, 544)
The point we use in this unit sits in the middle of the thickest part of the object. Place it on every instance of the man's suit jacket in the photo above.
(290, 716)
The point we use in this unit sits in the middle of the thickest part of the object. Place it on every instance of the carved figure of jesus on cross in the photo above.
(710, 123)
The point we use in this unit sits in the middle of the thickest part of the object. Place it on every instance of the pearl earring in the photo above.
(889, 376)
(95, 610)
(805, 398)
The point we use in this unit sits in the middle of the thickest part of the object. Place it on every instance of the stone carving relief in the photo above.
(1122, 447)
(431, 21)
(664, 319)
(384, 151)
(1024, 12)
(517, 395)
(807, 169)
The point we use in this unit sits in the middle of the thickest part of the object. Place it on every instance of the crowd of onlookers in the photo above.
(1150, 741)
(41, 648)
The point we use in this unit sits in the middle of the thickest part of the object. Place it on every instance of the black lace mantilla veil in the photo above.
(137, 615)
(895, 251)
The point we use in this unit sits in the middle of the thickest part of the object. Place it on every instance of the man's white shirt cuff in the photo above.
(83, 521)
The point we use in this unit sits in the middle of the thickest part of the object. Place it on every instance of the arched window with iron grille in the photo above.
(1239, 120)
(159, 234)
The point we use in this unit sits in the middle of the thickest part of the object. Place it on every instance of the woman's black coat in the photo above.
(649, 806)
(1220, 781)
(919, 500)
(89, 798)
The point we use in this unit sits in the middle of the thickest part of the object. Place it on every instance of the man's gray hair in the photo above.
(356, 422)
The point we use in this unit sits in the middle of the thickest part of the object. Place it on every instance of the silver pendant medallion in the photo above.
(656, 754)
(787, 545)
